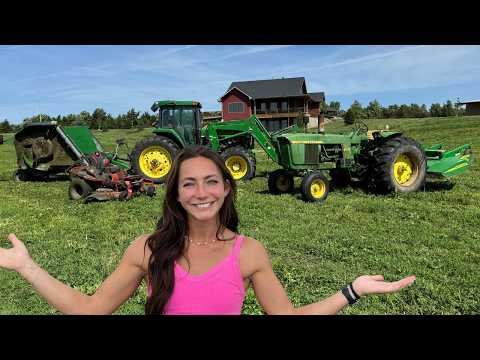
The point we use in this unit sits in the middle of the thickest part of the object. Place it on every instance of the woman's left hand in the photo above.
(375, 284)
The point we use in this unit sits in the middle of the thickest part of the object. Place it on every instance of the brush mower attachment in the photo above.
(443, 164)
(45, 149)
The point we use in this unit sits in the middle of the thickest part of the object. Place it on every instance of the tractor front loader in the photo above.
(179, 125)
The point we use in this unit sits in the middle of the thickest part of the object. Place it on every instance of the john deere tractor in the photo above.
(383, 161)
(180, 124)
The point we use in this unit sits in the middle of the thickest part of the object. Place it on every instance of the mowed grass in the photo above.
(315, 248)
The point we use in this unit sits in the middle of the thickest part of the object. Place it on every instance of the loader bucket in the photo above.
(442, 163)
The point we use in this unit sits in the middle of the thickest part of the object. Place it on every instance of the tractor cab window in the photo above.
(181, 118)
(169, 119)
(187, 121)
(187, 118)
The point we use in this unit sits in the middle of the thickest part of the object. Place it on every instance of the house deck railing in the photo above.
(280, 111)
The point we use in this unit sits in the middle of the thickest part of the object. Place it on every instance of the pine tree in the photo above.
(354, 113)
(132, 118)
(5, 126)
(374, 110)
(98, 118)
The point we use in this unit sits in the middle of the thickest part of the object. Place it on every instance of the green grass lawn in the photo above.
(315, 248)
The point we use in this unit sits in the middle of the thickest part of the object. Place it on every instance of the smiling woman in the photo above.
(195, 262)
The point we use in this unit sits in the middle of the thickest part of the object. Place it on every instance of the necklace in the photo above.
(200, 243)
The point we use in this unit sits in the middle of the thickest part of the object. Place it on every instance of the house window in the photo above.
(236, 107)
(284, 106)
(263, 107)
(273, 107)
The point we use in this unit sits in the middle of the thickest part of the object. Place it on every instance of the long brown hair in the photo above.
(167, 243)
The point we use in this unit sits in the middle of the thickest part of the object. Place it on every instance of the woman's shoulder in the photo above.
(140, 241)
(137, 251)
(249, 241)
(252, 247)
(253, 256)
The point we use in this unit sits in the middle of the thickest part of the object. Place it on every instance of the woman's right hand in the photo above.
(16, 257)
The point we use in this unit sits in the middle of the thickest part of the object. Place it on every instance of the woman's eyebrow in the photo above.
(193, 179)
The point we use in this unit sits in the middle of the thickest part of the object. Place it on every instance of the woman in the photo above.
(195, 262)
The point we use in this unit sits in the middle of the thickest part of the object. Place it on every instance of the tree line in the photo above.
(376, 111)
(98, 120)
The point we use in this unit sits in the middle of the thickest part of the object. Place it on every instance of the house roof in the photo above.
(470, 102)
(274, 88)
(317, 96)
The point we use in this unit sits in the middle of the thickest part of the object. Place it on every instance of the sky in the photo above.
(68, 79)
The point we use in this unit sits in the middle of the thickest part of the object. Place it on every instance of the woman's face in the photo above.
(201, 188)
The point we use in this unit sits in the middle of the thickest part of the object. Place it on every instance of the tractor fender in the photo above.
(382, 134)
(171, 134)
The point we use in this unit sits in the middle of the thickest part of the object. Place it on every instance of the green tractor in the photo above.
(179, 125)
(383, 161)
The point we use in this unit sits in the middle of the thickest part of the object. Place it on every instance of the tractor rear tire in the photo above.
(280, 182)
(399, 166)
(153, 157)
(340, 178)
(79, 188)
(315, 187)
(240, 162)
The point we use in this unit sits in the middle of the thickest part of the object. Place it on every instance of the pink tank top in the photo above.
(219, 291)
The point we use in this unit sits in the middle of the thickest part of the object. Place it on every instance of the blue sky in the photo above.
(66, 79)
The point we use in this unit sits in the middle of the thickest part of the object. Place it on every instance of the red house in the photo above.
(275, 102)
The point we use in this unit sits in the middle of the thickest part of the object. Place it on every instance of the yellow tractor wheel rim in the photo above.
(282, 183)
(317, 188)
(237, 166)
(155, 162)
(403, 169)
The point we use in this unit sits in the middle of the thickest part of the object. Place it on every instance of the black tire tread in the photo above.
(247, 155)
(381, 181)
(76, 182)
(272, 179)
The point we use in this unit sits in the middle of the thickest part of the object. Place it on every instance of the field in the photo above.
(315, 248)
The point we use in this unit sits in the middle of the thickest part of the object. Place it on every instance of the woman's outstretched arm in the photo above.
(273, 298)
(113, 292)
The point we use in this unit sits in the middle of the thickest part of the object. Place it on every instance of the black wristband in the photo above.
(353, 291)
(351, 296)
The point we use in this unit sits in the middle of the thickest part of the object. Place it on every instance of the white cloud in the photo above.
(413, 68)
(249, 50)
(13, 47)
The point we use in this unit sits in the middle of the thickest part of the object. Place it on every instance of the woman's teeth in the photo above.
(204, 205)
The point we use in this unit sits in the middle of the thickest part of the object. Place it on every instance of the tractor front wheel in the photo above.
(152, 158)
(239, 162)
(315, 187)
(399, 166)
(280, 182)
